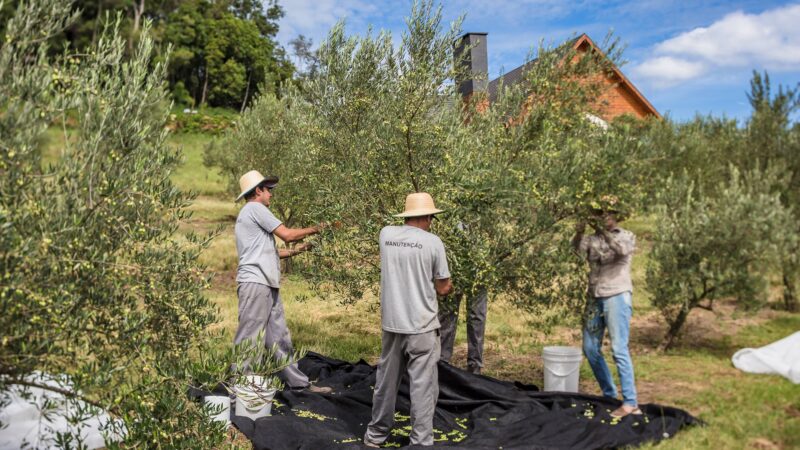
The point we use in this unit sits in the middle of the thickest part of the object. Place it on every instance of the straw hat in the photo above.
(610, 204)
(252, 179)
(419, 204)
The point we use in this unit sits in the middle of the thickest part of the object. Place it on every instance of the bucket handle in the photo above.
(254, 409)
(566, 374)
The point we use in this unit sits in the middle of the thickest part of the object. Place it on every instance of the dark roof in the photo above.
(508, 79)
(516, 75)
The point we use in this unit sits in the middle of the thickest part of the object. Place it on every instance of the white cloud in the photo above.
(668, 70)
(508, 46)
(314, 18)
(770, 40)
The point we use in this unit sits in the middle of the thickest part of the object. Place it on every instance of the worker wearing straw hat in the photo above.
(258, 276)
(413, 271)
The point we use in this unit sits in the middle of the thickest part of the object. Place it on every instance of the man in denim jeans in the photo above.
(609, 252)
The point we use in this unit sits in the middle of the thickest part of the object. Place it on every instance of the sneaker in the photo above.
(474, 369)
(371, 444)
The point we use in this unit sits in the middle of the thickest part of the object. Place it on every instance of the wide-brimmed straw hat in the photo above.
(610, 204)
(252, 179)
(419, 204)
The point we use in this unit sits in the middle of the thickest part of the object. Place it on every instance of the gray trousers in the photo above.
(419, 354)
(476, 326)
(260, 308)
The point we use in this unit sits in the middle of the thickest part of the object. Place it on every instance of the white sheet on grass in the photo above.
(781, 357)
(32, 417)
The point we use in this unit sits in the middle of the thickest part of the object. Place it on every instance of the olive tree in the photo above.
(715, 245)
(521, 170)
(701, 150)
(373, 134)
(704, 142)
(270, 138)
(773, 140)
(96, 286)
(377, 121)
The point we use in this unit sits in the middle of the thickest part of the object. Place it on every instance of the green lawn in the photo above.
(193, 175)
(741, 410)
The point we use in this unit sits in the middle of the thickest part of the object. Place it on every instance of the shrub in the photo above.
(710, 246)
(181, 95)
(200, 122)
(95, 285)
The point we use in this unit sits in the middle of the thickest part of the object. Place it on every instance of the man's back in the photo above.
(411, 259)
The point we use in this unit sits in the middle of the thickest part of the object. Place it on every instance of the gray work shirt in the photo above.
(411, 258)
(610, 265)
(259, 261)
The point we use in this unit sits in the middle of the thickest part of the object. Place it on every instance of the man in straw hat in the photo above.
(259, 275)
(413, 271)
(609, 252)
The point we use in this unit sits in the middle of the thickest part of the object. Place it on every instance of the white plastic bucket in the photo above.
(254, 399)
(216, 401)
(561, 368)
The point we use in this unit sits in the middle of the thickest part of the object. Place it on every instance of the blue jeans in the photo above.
(613, 313)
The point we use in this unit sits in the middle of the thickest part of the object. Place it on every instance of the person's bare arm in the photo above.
(295, 234)
(443, 287)
(289, 252)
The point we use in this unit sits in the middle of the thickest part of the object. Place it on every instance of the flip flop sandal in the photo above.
(615, 414)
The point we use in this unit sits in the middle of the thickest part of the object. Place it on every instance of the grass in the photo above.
(192, 174)
(53, 143)
(741, 410)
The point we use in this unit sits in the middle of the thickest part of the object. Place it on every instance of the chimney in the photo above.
(475, 63)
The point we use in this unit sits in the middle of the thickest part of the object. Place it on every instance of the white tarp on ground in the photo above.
(33, 417)
(781, 357)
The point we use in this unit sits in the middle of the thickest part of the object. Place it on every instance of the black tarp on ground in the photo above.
(473, 412)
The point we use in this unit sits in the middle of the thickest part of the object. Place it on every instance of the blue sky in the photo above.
(686, 57)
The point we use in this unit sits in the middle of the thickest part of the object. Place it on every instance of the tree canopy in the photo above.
(223, 52)
(379, 121)
(374, 121)
(97, 286)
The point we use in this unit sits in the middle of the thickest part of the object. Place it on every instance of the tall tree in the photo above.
(380, 121)
(230, 78)
(225, 52)
(306, 60)
(265, 14)
(711, 245)
(96, 287)
(773, 140)
(187, 30)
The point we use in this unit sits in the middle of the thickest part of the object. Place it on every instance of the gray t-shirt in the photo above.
(411, 258)
(259, 261)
